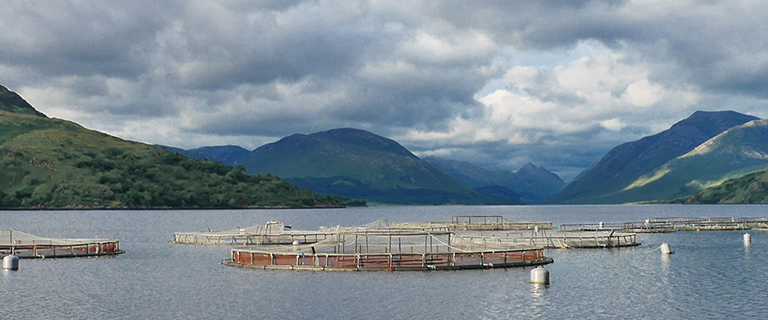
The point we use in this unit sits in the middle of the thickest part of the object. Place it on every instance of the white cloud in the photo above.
(502, 82)
(457, 47)
(642, 93)
(612, 124)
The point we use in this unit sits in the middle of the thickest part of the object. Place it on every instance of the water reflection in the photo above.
(665, 258)
(712, 275)
(538, 290)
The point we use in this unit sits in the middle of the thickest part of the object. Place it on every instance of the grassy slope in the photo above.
(731, 154)
(56, 163)
(629, 161)
(750, 188)
(327, 155)
(12, 102)
(360, 164)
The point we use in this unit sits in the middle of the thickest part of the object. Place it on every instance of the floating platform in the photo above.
(480, 223)
(270, 233)
(554, 240)
(388, 250)
(672, 224)
(27, 246)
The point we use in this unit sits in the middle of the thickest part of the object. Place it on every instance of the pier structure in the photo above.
(28, 246)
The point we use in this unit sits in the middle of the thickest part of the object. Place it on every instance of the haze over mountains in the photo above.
(52, 162)
(358, 164)
(676, 162)
(530, 183)
(700, 151)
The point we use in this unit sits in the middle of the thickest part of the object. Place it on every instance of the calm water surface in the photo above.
(712, 275)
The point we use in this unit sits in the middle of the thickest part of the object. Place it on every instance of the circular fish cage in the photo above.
(27, 246)
(387, 250)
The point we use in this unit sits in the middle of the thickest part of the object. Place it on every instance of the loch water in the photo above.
(711, 275)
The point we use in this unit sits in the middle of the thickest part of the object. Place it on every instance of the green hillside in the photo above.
(731, 154)
(229, 155)
(52, 163)
(356, 163)
(12, 102)
(750, 188)
(609, 179)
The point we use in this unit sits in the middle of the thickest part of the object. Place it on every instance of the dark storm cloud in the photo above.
(569, 79)
(60, 38)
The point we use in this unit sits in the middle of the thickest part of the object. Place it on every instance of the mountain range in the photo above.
(709, 157)
(695, 153)
(355, 163)
(58, 164)
(530, 183)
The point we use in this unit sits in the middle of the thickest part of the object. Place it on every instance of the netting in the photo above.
(272, 232)
(388, 250)
(26, 245)
(586, 239)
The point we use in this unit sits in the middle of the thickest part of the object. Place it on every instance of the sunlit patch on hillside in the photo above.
(703, 148)
(752, 153)
(646, 179)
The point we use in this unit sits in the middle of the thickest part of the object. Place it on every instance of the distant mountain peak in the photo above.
(529, 166)
(12, 102)
(626, 164)
(713, 123)
(362, 138)
(360, 164)
(531, 183)
(532, 168)
(725, 139)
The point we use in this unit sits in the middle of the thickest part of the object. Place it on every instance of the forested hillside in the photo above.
(53, 163)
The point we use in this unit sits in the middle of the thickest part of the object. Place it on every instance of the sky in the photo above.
(497, 83)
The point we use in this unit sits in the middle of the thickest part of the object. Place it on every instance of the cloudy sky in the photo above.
(497, 83)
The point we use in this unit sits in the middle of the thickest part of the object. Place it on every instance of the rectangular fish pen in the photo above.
(475, 223)
(672, 224)
(27, 246)
(554, 240)
(270, 233)
(479, 223)
(372, 250)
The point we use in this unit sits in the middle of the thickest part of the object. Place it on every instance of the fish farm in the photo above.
(673, 224)
(478, 223)
(27, 246)
(466, 242)
(556, 240)
(388, 250)
(272, 232)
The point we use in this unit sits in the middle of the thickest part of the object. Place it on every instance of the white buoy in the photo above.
(666, 249)
(747, 237)
(601, 224)
(540, 276)
(11, 262)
